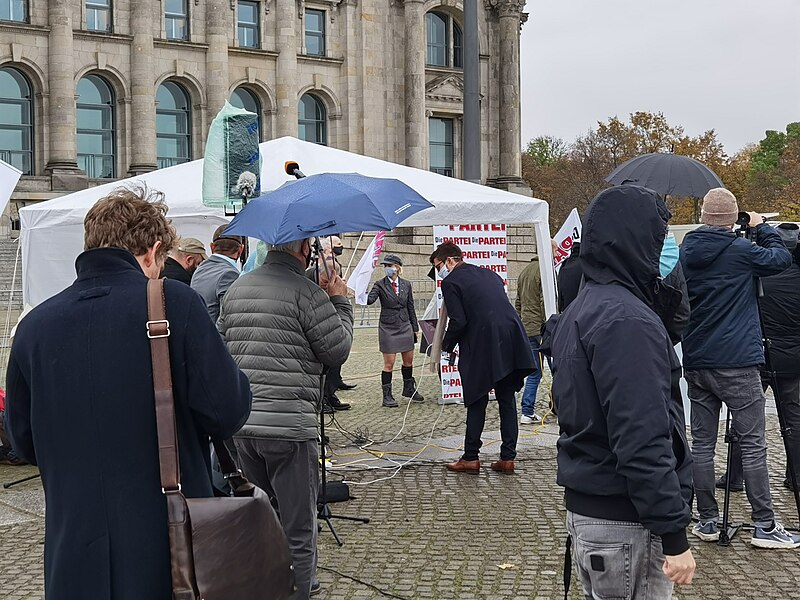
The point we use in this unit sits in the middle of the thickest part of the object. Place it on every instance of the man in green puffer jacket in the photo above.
(282, 329)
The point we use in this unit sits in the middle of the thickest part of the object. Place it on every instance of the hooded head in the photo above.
(623, 234)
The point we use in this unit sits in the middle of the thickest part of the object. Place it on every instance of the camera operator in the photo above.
(780, 313)
(723, 352)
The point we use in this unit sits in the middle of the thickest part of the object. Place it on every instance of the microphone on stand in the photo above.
(292, 168)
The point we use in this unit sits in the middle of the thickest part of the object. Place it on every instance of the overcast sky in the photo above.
(730, 65)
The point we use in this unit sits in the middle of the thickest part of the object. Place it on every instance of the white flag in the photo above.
(359, 280)
(9, 176)
(570, 232)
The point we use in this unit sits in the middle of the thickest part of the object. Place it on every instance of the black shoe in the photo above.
(337, 404)
(327, 409)
(346, 387)
(735, 487)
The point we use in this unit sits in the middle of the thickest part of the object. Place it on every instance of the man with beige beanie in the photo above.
(723, 351)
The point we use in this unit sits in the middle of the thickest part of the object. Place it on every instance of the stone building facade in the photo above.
(99, 89)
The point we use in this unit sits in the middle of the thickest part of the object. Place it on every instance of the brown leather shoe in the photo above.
(465, 466)
(503, 466)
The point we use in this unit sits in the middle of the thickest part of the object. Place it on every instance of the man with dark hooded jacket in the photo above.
(723, 351)
(622, 454)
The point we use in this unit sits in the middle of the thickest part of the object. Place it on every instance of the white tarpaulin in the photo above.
(9, 176)
(52, 231)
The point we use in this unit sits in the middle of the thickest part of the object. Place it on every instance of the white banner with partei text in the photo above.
(484, 246)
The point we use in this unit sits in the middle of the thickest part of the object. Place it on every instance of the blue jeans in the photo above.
(617, 559)
(532, 382)
(741, 391)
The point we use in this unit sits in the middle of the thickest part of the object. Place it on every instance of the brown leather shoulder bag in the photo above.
(229, 548)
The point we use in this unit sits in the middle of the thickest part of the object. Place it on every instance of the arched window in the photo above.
(311, 120)
(173, 125)
(16, 120)
(244, 98)
(445, 41)
(96, 128)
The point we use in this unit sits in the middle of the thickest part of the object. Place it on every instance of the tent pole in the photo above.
(350, 264)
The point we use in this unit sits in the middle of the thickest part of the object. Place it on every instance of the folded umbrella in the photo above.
(667, 174)
(327, 204)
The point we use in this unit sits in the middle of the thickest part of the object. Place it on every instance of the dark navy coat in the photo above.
(721, 271)
(622, 453)
(80, 405)
(492, 341)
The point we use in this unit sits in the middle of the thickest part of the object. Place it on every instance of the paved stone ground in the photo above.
(435, 535)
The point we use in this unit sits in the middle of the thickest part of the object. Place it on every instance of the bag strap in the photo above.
(158, 332)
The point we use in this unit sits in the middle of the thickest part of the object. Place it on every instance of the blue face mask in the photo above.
(443, 272)
(669, 256)
(390, 271)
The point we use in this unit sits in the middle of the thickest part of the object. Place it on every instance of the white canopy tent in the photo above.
(52, 231)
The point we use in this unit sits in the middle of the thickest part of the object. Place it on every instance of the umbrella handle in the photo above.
(316, 228)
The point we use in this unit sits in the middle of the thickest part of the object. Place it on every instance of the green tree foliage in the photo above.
(764, 176)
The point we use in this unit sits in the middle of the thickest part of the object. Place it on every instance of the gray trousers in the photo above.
(740, 390)
(288, 472)
(618, 560)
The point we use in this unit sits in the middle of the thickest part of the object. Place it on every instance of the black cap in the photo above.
(392, 259)
(789, 233)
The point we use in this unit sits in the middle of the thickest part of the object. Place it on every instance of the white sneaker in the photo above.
(526, 420)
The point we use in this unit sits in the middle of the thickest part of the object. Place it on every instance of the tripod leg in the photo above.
(11, 484)
(345, 518)
(730, 438)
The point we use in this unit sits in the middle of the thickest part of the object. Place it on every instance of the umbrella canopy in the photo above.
(667, 174)
(326, 204)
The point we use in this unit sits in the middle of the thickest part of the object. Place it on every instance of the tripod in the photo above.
(728, 531)
(323, 509)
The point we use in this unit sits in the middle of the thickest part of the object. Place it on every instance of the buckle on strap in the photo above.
(166, 491)
(157, 329)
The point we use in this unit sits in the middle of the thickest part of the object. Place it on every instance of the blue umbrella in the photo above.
(326, 204)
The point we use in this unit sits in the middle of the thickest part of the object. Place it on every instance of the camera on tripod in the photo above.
(745, 230)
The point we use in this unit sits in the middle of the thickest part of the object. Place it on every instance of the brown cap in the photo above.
(218, 235)
(191, 246)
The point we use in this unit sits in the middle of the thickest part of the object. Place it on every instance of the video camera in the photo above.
(744, 230)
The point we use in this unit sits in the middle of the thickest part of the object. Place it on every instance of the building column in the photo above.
(143, 92)
(218, 25)
(286, 17)
(62, 162)
(510, 18)
(416, 121)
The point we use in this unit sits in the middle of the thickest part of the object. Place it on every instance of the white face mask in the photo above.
(390, 271)
(443, 272)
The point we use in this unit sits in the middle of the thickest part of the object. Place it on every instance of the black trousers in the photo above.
(509, 428)
(333, 380)
(788, 395)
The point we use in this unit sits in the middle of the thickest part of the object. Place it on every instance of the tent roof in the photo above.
(456, 202)
(52, 231)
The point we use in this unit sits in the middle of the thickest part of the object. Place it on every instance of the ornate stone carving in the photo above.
(505, 8)
(446, 88)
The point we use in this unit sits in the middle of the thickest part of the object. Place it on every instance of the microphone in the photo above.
(292, 168)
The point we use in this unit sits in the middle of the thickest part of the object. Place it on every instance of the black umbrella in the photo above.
(667, 174)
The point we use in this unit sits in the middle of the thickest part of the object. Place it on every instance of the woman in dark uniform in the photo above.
(397, 331)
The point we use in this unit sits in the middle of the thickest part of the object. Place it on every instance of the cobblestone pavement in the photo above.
(435, 535)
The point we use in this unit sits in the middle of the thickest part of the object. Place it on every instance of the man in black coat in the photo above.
(81, 406)
(622, 454)
(494, 352)
(183, 260)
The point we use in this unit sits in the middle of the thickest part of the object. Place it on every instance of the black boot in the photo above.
(337, 404)
(410, 390)
(388, 399)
